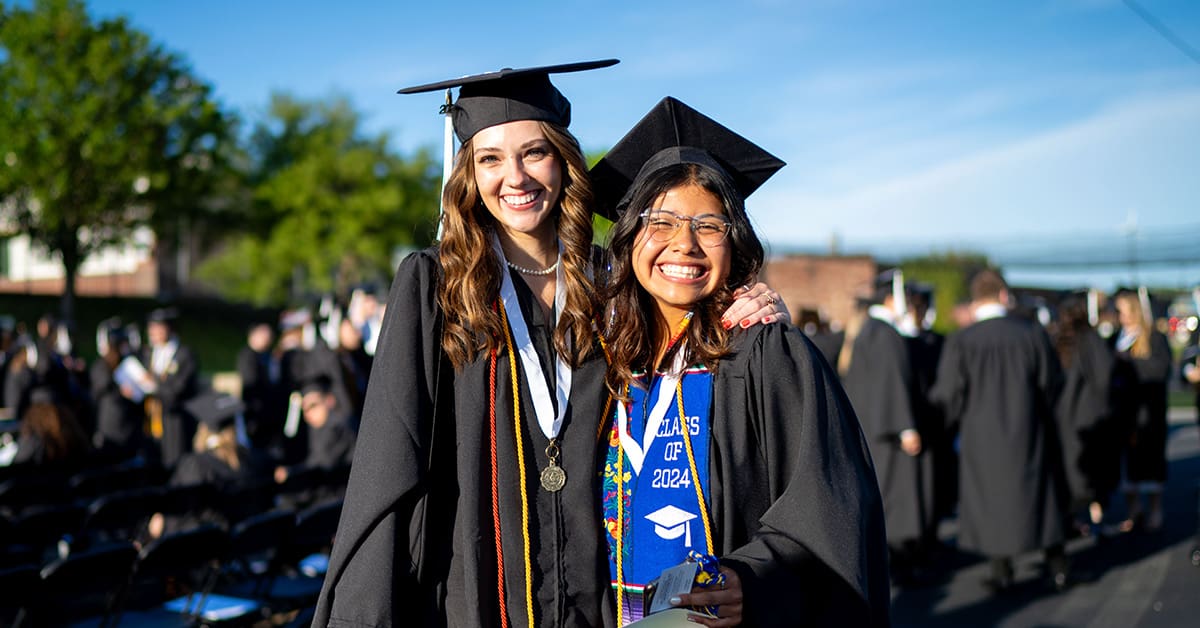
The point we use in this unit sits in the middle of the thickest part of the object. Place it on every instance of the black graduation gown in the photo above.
(18, 387)
(1191, 356)
(830, 345)
(331, 445)
(879, 384)
(795, 505)
(415, 545)
(999, 380)
(266, 399)
(321, 361)
(1142, 402)
(175, 386)
(1091, 442)
(119, 421)
(937, 439)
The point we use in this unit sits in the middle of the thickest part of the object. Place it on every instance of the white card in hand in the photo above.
(673, 581)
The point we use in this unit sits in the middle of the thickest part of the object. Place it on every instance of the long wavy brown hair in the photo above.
(470, 283)
(634, 328)
(57, 428)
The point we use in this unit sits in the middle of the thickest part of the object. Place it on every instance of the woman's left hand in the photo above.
(727, 599)
(753, 305)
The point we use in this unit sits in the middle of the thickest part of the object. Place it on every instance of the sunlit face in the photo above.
(1128, 312)
(260, 338)
(316, 408)
(519, 176)
(682, 271)
(348, 335)
(157, 333)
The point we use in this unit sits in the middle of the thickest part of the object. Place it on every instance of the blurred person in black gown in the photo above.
(173, 369)
(356, 365)
(217, 456)
(20, 376)
(1091, 442)
(50, 433)
(264, 389)
(331, 433)
(1143, 368)
(925, 350)
(8, 339)
(119, 419)
(878, 377)
(217, 459)
(1189, 366)
(819, 331)
(998, 381)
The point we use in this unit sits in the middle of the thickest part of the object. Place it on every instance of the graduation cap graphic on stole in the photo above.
(671, 523)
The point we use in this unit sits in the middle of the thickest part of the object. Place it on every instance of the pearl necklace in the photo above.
(529, 271)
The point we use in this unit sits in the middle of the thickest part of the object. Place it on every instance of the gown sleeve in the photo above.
(817, 550)
(374, 577)
(949, 390)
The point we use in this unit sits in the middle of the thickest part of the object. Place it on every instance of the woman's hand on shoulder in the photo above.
(753, 305)
(727, 599)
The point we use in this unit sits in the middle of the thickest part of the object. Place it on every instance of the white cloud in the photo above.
(1139, 155)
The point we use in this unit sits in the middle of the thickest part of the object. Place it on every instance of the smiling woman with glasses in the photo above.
(735, 451)
(662, 225)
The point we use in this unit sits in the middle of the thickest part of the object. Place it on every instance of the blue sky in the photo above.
(1055, 135)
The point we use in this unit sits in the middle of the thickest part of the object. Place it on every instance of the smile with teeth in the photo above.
(678, 271)
(523, 199)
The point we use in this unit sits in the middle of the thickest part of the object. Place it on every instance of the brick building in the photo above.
(826, 284)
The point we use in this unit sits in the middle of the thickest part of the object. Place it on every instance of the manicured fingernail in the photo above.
(675, 601)
(726, 324)
(766, 320)
(745, 323)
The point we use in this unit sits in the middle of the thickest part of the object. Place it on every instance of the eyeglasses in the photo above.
(662, 225)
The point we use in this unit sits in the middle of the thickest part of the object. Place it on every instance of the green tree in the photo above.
(948, 273)
(101, 131)
(330, 206)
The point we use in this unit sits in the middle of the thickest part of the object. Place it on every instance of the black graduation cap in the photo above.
(163, 315)
(319, 384)
(214, 409)
(674, 133)
(506, 95)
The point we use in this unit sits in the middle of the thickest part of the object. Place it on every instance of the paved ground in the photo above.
(1134, 579)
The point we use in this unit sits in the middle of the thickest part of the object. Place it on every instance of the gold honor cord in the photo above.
(687, 441)
(512, 362)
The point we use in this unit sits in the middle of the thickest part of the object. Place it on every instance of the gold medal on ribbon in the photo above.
(553, 476)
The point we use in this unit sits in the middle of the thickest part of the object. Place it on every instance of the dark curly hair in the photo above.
(633, 327)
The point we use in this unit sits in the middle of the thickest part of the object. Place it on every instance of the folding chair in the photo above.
(33, 489)
(19, 584)
(121, 515)
(172, 580)
(304, 557)
(42, 528)
(83, 585)
(110, 478)
(253, 559)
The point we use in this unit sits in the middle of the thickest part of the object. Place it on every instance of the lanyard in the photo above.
(548, 420)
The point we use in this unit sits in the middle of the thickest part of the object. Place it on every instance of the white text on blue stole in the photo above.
(665, 518)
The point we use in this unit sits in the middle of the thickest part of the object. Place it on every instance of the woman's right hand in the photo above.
(727, 599)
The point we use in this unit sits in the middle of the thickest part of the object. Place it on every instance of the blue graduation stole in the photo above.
(662, 519)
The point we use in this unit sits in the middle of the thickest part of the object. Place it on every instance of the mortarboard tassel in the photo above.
(447, 157)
